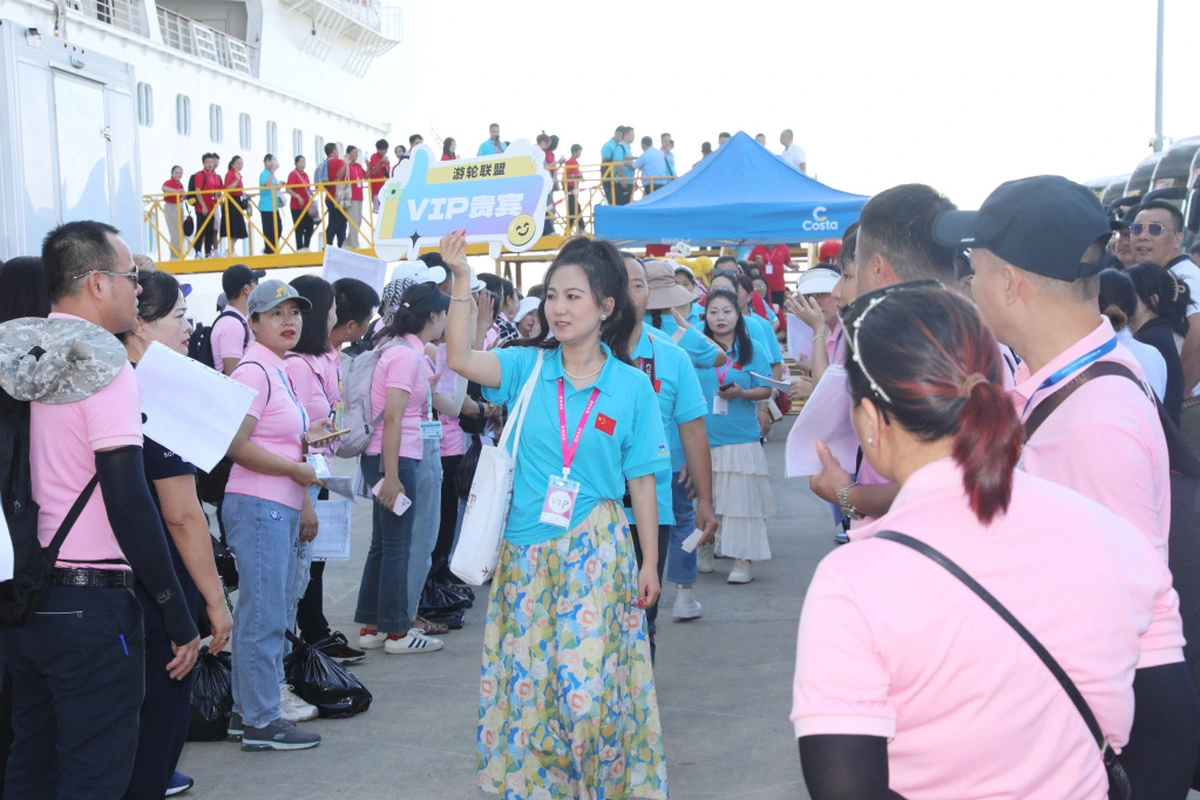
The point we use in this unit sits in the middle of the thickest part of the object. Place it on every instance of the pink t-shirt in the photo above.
(453, 439)
(401, 367)
(63, 442)
(227, 337)
(1105, 441)
(282, 423)
(893, 645)
(315, 379)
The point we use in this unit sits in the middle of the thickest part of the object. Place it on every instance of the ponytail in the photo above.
(987, 444)
(1163, 294)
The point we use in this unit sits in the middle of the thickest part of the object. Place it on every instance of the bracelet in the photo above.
(820, 336)
(844, 501)
(461, 299)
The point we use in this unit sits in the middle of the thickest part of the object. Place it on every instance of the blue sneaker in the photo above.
(841, 537)
(179, 784)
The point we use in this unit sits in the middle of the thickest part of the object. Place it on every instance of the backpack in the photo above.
(32, 565)
(355, 370)
(210, 486)
(200, 344)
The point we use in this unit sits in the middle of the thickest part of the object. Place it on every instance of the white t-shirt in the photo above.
(794, 155)
(1186, 270)
(1150, 359)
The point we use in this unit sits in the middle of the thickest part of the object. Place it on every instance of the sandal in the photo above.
(429, 628)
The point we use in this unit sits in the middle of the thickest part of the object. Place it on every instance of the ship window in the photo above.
(145, 105)
(216, 123)
(297, 142)
(244, 131)
(319, 146)
(183, 115)
(272, 137)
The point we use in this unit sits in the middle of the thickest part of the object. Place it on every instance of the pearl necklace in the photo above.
(583, 377)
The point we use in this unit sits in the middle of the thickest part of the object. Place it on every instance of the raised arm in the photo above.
(474, 365)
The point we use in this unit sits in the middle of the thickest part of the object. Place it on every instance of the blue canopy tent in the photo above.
(740, 194)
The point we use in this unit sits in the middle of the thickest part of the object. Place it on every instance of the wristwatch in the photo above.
(844, 501)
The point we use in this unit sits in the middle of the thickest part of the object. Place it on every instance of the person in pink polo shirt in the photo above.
(267, 513)
(77, 667)
(907, 683)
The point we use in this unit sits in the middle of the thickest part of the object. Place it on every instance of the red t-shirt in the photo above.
(299, 193)
(172, 186)
(573, 174)
(550, 160)
(379, 172)
(356, 173)
(774, 259)
(205, 180)
(448, 157)
(335, 168)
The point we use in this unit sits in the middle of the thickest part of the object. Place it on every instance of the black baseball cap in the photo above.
(1126, 221)
(425, 298)
(237, 277)
(1043, 225)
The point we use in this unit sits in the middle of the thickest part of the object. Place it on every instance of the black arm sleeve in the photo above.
(1160, 758)
(139, 531)
(841, 767)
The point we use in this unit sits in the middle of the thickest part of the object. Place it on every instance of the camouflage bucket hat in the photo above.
(57, 361)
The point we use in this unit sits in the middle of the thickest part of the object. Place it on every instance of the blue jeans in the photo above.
(77, 671)
(427, 506)
(383, 593)
(263, 536)
(299, 584)
(681, 566)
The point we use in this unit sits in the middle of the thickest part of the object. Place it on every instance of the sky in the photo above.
(959, 94)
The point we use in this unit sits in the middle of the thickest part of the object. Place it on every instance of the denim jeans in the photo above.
(383, 592)
(681, 566)
(299, 584)
(263, 537)
(77, 669)
(427, 505)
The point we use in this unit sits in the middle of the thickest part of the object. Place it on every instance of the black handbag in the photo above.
(1118, 781)
(189, 225)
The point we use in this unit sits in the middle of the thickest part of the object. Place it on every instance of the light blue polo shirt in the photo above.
(740, 425)
(679, 400)
(621, 152)
(623, 438)
(490, 148)
(268, 200)
(699, 347)
(652, 164)
(761, 331)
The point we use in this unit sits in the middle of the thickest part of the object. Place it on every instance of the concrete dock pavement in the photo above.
(724, 688)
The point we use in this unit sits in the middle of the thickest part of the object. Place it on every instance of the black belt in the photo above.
(88, 578)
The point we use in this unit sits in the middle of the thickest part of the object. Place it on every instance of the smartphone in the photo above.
(725, 386)
(328, 436)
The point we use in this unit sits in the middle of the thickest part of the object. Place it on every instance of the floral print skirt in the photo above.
(567, 706)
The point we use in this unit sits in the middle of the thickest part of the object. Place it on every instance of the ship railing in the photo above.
(571, 211)
(196, 39)
(123, 14)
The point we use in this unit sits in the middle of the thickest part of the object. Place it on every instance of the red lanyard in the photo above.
(569, 452)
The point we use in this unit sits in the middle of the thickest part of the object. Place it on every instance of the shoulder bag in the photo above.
(478, 550)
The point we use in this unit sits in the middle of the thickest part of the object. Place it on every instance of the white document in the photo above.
(782, 386)
(824, 418)
(346, 264)
(799, 339)
(342, 485)
(333, 531)
(691, 542)
(190, 409)
(6, 551)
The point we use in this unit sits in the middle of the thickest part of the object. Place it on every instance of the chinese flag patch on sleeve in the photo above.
(605, 423)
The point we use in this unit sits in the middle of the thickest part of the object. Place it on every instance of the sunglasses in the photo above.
(132, 274)
(856, 313)
(1153, 228)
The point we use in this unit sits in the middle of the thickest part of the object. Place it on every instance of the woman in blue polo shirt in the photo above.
(557, 718)
(759, 329)
(741, 491)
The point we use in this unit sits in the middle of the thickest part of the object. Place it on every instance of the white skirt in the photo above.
(743, 500)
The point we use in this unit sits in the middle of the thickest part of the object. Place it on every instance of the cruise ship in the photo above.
(99, 99)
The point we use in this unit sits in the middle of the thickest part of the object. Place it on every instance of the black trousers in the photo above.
(270, 225)
(304, 228)
(445, 541)
(206, 241)
(336, 223)
(664, 539)
(310, 613)
(78, 672)
(572, 214)
(166, 709)
(624, 193)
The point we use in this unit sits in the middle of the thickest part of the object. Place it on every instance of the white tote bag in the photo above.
(478, 550)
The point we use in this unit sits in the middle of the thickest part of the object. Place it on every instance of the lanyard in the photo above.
(1072, 368)
(568, 452)
(648, 366)
(287, 384)
(723, 371)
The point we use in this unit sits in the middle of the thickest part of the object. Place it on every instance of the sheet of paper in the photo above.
(824, 418)
(341, 485)
(346, 264)
(691, 542)
(783, 386)
(188, 408)
(799, 339)
(333, 531)
(6, 551)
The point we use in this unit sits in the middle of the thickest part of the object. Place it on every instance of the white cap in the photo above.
(476, 284)
(528, 305)
(817, 280)
(419, 272)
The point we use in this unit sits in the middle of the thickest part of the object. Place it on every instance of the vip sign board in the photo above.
(500, 200)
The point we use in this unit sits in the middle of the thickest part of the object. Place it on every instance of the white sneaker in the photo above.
(704, 558)
(370, 641)
(414, 642)
(740, 572)
(686, 606)
(292, 708)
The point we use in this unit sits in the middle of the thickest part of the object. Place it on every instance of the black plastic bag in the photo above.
(451, 619)
(212, 697)
(464, 475)
(318, 679)
(437, 597)
(226, 565)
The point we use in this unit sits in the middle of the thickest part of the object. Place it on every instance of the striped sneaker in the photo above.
(413, 642)
(278, 735)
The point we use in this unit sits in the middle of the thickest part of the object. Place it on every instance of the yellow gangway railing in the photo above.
(228, 226)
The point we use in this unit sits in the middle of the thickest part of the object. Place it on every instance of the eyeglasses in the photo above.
(854, 315)
(132, 274)
(1153, 228)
